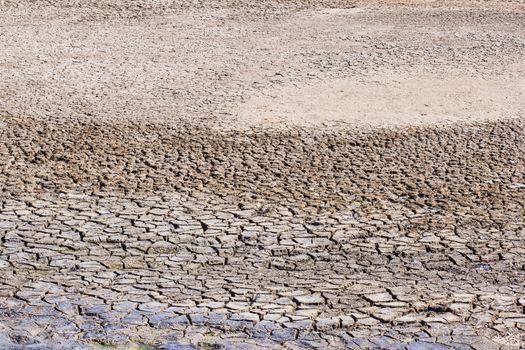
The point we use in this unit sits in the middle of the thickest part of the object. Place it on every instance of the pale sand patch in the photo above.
(385, 100)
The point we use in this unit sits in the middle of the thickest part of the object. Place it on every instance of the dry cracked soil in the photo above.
(240, 174)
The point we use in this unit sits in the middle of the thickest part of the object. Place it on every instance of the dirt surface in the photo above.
(387, 99)
(267, 64)
(241, 174)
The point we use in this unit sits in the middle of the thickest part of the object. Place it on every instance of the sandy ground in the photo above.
(262, 174)
(265, 65)
(388, 99)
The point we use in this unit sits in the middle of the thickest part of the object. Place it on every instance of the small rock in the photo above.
(483, 267)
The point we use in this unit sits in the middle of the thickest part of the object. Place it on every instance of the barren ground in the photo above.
(273, 174)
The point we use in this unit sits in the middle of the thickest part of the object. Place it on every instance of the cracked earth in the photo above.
(250, 175)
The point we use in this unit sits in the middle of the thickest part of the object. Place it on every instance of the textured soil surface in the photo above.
(273, 174)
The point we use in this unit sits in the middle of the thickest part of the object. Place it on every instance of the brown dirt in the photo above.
(281, 174)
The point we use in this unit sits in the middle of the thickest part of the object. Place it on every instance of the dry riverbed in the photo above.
(277, 174)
